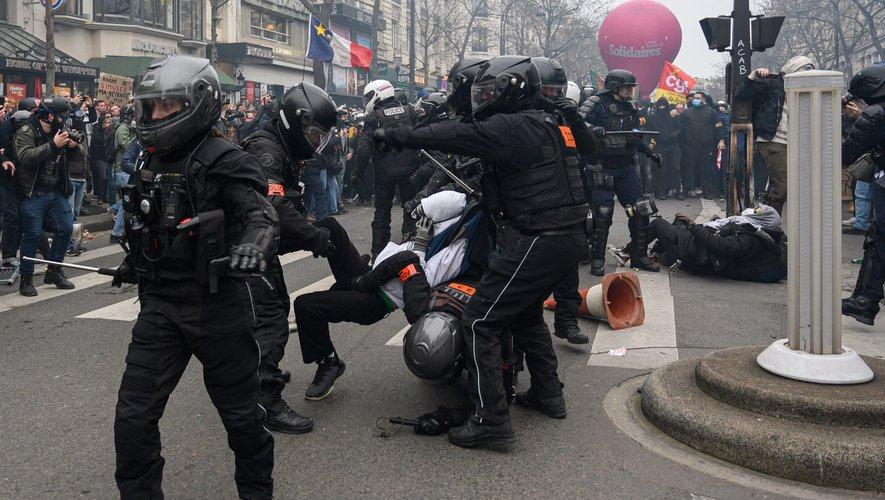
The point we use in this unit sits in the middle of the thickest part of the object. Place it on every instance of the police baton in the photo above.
(469, 190)
(106, 271)
(632, 132)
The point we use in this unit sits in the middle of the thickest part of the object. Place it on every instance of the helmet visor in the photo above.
(552, 91)
(482, 96)
(151, 110)
(317, 137)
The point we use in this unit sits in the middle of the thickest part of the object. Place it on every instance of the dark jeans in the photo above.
(874, 290)
(696, 161)
(53, 211)
(179, 319)
(9, 221)
(509, 297)
(385, 188)
(669, 176)
(99, 169)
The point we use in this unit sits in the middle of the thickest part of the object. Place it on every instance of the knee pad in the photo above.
(644, 207)
(604, 215)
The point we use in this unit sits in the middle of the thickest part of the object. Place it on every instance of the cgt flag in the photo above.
(675, 80)
(323, 45)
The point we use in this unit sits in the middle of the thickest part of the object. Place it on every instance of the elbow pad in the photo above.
(262, 229)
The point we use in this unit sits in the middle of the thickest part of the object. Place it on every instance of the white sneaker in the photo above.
(11, 262)
(39, 269)
(849, 222)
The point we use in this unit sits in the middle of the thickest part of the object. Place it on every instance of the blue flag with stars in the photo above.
(318, 46)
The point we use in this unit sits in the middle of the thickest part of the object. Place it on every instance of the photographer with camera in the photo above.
(42, 180)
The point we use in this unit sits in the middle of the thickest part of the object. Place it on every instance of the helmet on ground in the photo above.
(177, 99)
(460, 79)
(504, 84)
(375, 92)
(434, 106)
(553, 79)
(573, 92)
(619, 78)
(869, 84)
(305, 119)
(433, 347)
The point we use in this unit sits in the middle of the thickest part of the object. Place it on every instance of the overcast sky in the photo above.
(694, 57)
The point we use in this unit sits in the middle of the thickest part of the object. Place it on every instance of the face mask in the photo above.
(696, 103)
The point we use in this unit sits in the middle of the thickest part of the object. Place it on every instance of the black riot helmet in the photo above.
(433, 347)
(305, 119)
(460, 79)
(869, 84)
(505, 84)
(400, 96)
(178, 98)
(434, 107)
(56, 106)
(553, 79)
(619, 78)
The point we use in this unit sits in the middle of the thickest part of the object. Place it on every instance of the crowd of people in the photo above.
(507, 182)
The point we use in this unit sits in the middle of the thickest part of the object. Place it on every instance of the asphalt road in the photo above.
(59, 376)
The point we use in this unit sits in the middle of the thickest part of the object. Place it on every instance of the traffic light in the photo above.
(764, 32)
(717, 31)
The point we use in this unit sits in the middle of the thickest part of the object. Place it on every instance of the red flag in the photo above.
(675, 80)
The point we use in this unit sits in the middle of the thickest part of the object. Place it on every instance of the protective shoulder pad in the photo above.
(213, 149)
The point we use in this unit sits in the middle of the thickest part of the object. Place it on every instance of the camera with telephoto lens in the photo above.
(75, 135)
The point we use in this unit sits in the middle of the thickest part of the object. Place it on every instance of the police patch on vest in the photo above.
(396, 110)
(266, 160)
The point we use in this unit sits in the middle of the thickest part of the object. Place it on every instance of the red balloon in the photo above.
(639, 36)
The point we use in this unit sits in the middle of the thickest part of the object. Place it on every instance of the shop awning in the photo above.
(19, 44)
(135, 66)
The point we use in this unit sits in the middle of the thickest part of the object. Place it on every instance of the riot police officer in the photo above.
(392, 168)
(615, 172)
(302, 126)
(197, 223)
(534, 184)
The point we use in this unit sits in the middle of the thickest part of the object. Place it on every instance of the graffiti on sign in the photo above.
(114, 89)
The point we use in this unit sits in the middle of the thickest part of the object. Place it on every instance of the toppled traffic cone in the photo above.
(617, 301)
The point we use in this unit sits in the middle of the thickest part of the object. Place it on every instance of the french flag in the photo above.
(323, 45)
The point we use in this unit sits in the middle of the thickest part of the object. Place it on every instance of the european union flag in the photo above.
(318, 46)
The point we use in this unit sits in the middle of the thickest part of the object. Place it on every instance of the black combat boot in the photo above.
(861, 308)
(571, 333)
(639, 258)
(552, 407)
(55, 275)
(282, 418)
(26, 286)
(598, 241)
(474, 433)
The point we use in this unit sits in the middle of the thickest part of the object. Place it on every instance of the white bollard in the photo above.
(813, 351)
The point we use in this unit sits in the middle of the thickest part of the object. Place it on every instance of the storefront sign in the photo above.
(114, 89)
(149, 47)
(61, 91)
(242, 50)
(40, 67)
(15, 92)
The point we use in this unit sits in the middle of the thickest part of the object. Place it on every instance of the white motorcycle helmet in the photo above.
(375, 92)
(573, 92)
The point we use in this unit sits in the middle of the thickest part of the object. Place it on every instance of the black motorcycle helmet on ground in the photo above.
(619, 78)
(186, 85)
(505, 84)
(869, 84)
(433, 347)
(56, 106)
(434, 107)
(460, 79)
(305, 119)
(553, 79)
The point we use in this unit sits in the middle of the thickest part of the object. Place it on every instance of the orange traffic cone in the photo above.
(617, 301)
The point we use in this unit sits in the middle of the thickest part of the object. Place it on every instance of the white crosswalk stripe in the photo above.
(46, 292)
(397, 340)
(127, 310)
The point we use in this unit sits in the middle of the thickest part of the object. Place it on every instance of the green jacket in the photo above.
(35, 150)
(123, 135)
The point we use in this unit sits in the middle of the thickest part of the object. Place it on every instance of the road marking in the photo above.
(95, 254)
(127, 310)
(649, 345)
(709, 208)
(46, 292)
(397, 340)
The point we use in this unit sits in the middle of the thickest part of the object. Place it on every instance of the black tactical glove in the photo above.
(684, 219)
(124, 274)
(657, 158)
(597, 132)
(568, 109)
(247, 257)
(380, 138)
(323, 247)
(410, 206)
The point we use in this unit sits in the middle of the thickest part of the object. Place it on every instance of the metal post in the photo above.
(813, 351)
(412, 49)
(741, 113)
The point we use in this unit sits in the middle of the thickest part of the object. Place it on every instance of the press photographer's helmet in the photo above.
(460, 79)
(505, 84)
(56, 106)
(433, 347)
(375, 92)
(573, 92)
(186, 80)
(553, 79)
(869, 84)
(619, 78)
(434, 106)
(305, 119)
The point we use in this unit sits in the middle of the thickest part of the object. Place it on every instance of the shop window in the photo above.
(299, 36)
(161, 14)
(191, 19)
(70, 8)
(269, 26)
(4, 10)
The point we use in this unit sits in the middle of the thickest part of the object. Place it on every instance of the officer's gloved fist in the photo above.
(247, 257)
(597, 132)
(411, 206)
(323, 247)
(422, 234)
(568, 109)
(380, 138)
(657, 158)
(125, 274)
(680, 217)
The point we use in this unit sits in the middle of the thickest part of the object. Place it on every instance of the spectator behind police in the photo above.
(130, 156)
(99, 148)
(723, 131)
(765, 91)
(42, 180)
(698, 124)
(124, 133)
(10, 221)
(669, 179)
